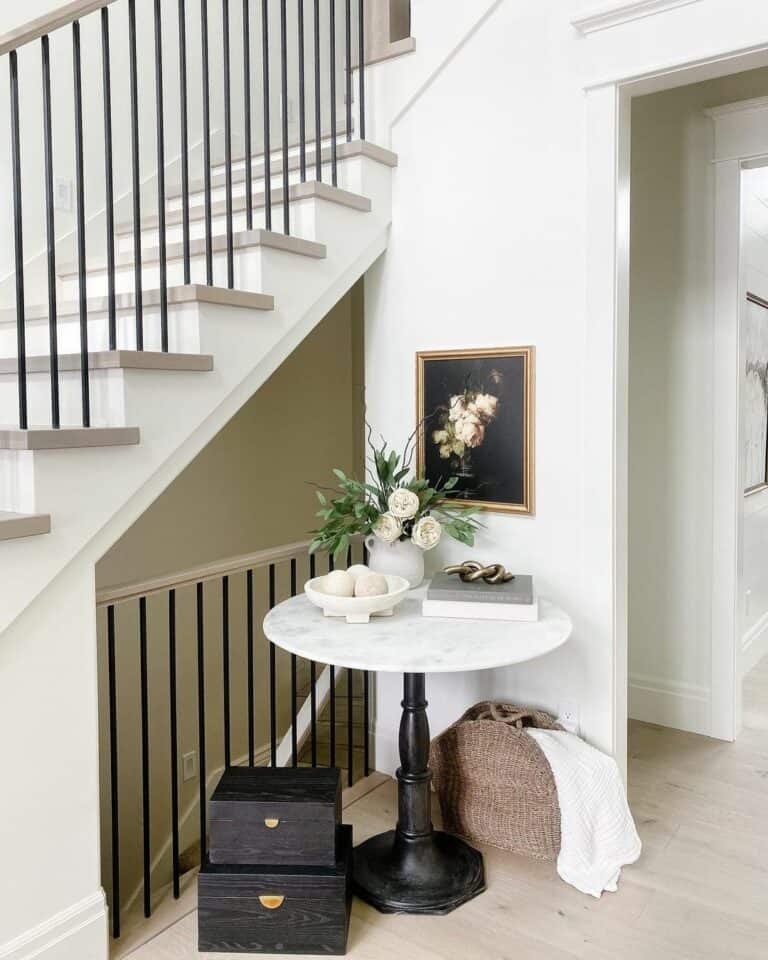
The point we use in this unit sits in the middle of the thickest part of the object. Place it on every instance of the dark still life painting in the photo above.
(475, 411)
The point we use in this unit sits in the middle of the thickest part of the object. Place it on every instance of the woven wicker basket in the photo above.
(494, 783)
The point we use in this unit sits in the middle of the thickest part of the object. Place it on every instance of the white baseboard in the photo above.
(684, 706)
(754, 645)
(77, 933)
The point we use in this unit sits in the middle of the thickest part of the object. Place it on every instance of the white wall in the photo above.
(50, 808)
(754, 557)
(480, 256)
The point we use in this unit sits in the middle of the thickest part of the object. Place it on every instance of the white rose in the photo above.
(470, 431)
(485, 405)
(387, 528)
(426, 533)
(403, 503)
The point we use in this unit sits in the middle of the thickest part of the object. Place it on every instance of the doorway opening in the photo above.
(697, 412)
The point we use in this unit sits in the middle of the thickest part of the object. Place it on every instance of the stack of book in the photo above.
(448, 596)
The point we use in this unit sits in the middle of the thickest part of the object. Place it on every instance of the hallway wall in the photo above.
(671, 413)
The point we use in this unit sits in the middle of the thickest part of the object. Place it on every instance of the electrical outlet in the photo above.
(189, 766)
(62, 194)
(568, 715)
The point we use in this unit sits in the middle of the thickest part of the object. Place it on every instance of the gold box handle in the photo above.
(271, 822)
(271, 903)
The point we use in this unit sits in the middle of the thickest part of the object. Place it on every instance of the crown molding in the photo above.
(613, 16)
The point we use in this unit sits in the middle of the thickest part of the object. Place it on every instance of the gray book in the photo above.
(445, 586)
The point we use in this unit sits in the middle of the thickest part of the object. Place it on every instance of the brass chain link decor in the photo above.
(472, 570)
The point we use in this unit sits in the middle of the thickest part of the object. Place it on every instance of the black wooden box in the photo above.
(299, 910)
(276, 815)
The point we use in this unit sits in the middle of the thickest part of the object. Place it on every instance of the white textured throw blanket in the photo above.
(598, 835)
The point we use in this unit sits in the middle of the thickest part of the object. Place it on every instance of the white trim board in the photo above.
(613, 16)
(78, 931)
(754, 645)
(684, 706)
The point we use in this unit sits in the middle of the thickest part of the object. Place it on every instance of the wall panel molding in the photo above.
(606, 17)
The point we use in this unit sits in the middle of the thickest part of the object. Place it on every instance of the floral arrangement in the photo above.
(392, 503)
(463, 424)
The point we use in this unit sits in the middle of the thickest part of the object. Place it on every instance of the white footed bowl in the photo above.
(358, 609)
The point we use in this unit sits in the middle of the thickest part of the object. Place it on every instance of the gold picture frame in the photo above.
(510, 452)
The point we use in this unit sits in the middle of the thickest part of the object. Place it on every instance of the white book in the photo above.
(473, 610)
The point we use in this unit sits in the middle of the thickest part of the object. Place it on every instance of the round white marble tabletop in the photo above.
(407, 642)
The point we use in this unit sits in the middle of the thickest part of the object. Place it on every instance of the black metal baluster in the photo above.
(265, 101)
(18, 242)
(50, 231)
(272, 678)
(109, 186)
(313, 710)
(174, 742)
(247, 116)
(135, 172)
(367, 724)
(80, 218)
(160, 137)
(332, 28)
(350, 729)
(361, 62)
(145, 805)
(206, 145)
(203, 793)
(184, 121)
(302, 98)
(331, 562)
(349, 555)
(318, 114)
(249, 640)
(365, 553)
(228, 145)
(332, 755)
(225, 661)
(294, 685)
(113, 771)
(284, 98)
(348, 66)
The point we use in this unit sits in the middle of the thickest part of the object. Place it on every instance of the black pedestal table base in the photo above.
(416, 869)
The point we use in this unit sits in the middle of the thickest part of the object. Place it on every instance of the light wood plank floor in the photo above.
(699, 892)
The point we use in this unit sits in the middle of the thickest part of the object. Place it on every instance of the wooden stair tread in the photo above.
(47, 438)
(114, 360)
(242, 240)
(187, 293)
(344, 151)
(296, 192)
(15, 526)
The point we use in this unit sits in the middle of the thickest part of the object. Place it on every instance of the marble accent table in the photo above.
(414, 868)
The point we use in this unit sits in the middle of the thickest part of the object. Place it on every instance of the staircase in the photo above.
(118, 370)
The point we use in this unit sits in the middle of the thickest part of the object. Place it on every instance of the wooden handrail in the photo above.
(206, 571)
(63, 15)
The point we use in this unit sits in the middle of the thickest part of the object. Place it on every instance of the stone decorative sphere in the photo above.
(338, 583)
(371, 585)
(357, 570)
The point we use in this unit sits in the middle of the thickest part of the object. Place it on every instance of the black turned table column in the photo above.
(414, 868)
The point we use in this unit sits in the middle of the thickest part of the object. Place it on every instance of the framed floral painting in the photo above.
(474, 412)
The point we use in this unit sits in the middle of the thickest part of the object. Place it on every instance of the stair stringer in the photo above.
(94, 495)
